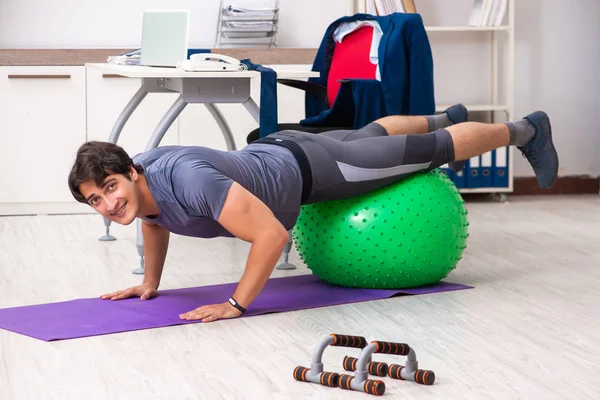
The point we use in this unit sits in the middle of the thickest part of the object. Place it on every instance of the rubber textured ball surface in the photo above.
(407, 234)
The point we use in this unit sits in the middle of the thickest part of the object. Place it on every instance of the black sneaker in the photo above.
(540, 151)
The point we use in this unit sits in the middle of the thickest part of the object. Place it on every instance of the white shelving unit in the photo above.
(494, 104)
(251, 30)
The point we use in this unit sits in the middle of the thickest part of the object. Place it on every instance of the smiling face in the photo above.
(116, 198)
(106, 178)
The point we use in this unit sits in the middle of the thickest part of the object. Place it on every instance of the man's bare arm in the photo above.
(156, 244)
(249, 219)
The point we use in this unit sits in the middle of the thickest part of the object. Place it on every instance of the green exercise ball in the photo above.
(408, 234)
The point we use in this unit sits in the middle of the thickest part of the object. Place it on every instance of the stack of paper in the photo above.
(251, 24)
(250, 12)
(132, 58)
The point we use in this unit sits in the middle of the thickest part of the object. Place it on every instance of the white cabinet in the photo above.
(46, 113)
(107, 96)
(42, 123)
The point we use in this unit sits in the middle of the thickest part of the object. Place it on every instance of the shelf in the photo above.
(247, 40)
(476, 107)
(247, 35)
(467, 28)
(248, 18)
(263, 32)
(249, 29)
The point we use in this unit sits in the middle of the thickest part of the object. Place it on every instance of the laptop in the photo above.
(165, 36)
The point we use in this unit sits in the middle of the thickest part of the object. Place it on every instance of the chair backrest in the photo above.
(351, 60)
(392, 48)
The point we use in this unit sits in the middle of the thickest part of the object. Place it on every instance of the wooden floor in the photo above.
(529, 330)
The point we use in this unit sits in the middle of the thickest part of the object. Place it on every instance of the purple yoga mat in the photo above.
(91, 317)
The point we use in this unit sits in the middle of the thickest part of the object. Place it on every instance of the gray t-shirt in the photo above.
(190, 184)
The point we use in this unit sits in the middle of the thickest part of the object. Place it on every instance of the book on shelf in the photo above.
(488, 12)
(386, 7)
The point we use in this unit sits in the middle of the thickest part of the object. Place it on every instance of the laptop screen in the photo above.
(165, 36)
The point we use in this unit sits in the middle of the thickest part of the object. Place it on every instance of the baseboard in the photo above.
(72, 207)
(563, 185)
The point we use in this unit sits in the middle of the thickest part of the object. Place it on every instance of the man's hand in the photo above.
(212, 313)
(145, 292)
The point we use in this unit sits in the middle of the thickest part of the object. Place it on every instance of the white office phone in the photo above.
(211, 62)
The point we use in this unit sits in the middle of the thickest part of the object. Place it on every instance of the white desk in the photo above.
(193, 87)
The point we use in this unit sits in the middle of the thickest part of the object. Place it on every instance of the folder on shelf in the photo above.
(446, 169)
(459, 178)
(474, 172)
(486, 170)
(500, 167)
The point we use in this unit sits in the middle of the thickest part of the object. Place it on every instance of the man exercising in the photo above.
(255, 193)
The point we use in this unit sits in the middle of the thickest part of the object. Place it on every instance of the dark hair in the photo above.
(97, 160)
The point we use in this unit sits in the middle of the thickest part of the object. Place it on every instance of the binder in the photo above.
(446, 169)
(474, 172)
(500, 167)
(487, 178)
(460, 178)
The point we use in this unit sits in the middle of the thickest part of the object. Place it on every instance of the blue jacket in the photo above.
(406, 67)
(268, 97)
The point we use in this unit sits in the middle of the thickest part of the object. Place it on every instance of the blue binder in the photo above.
(474, 172)
(500, 167)
(459, 178)
(445, 169)
(487, 176)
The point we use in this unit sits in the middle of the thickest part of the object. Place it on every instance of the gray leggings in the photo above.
(348, 163)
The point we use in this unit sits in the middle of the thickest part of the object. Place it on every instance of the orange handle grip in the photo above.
(345, 381)
(394, 371)
(375, 368)
(374, 387)
(330, 379)
(422, 376)
(300, 374)
(400, 349)
(349, 363)
(378, 368)
(348, 341)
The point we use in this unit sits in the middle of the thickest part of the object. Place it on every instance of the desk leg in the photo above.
(286, 254)
(160, 130)
(114, 136)
(223, 125)
(254, 110)
(165, 123)
(126, 113)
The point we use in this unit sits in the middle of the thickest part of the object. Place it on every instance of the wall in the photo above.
(557, 59)
(557, 52)
(117, 23)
